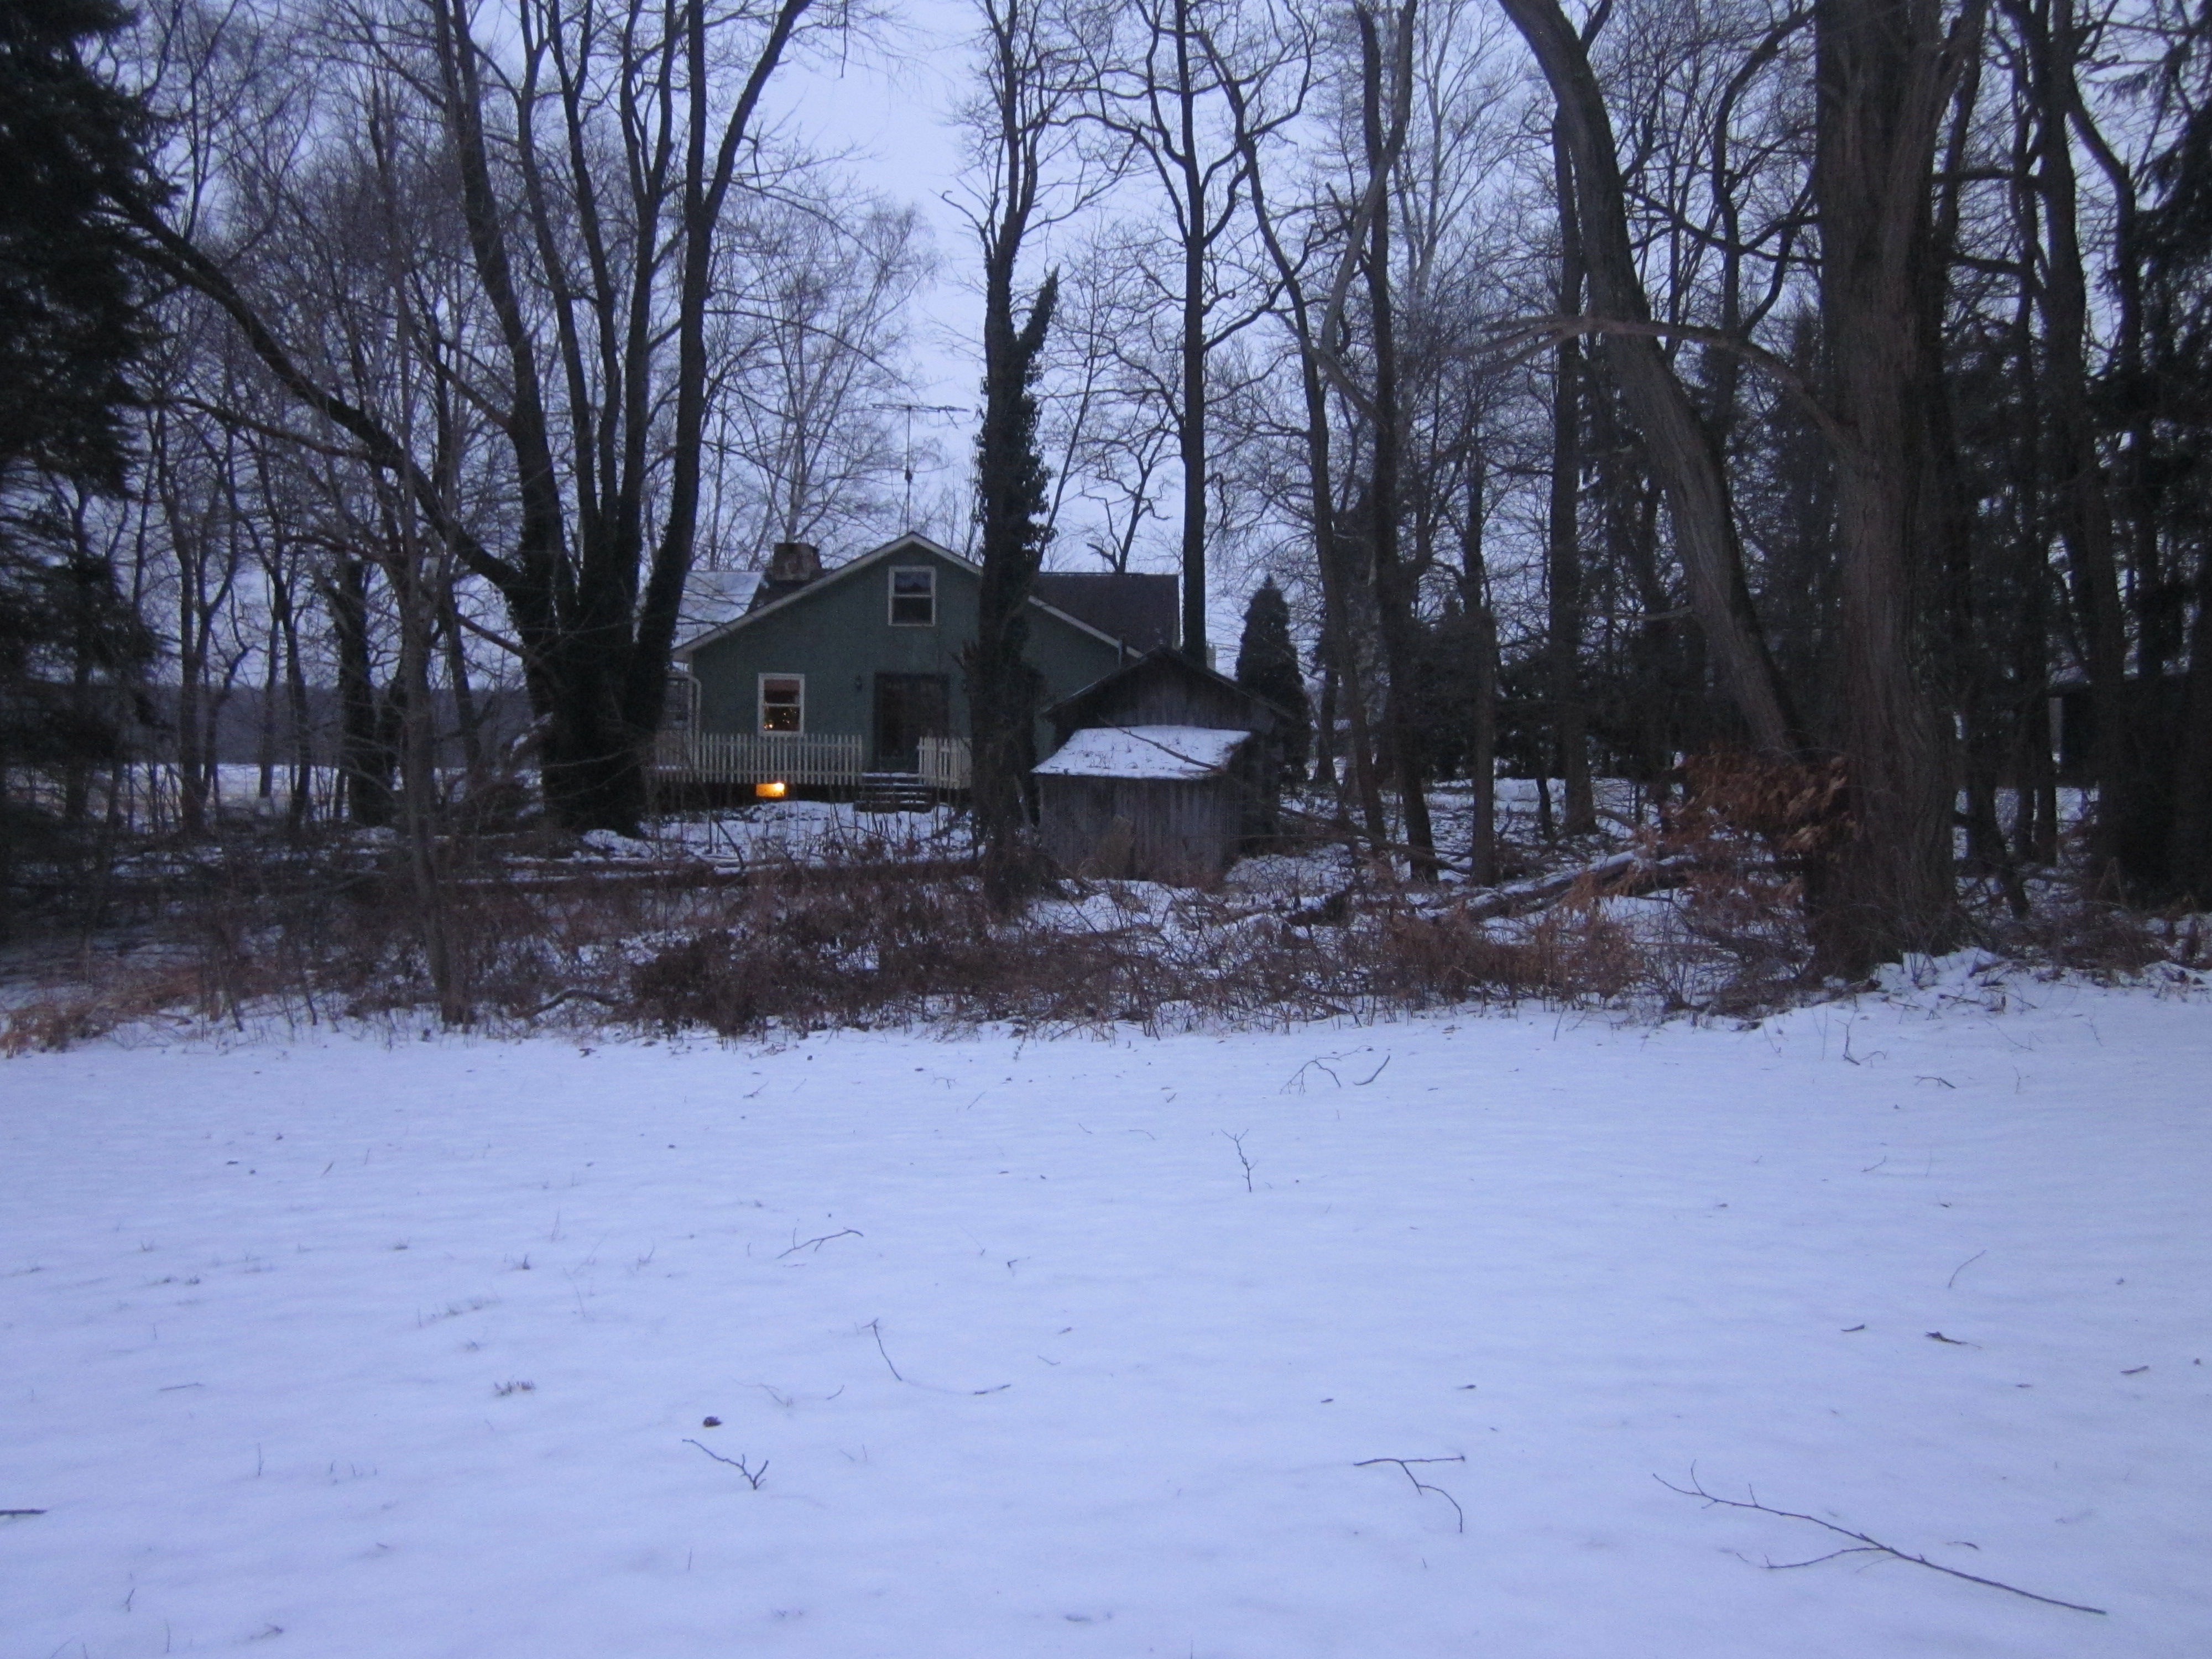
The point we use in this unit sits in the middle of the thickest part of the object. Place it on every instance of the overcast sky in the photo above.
(889, 105)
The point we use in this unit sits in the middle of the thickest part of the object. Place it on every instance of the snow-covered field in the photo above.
(376, 1349)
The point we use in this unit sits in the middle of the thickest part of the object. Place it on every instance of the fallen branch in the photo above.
(1420, 1484)
(1861, 1544)
(1621, 875)
(753, 1476)
(815, 1245)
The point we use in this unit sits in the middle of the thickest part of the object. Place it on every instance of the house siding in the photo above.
(838, 634)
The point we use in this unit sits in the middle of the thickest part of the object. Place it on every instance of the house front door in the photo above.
(910, 708)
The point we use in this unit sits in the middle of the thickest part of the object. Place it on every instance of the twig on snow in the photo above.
(1420, 1484)
(1861, 1544)
(753, 1476)
(1237, 1141)
(10, 1515)
(875, 1328)
(1962, 1268)
(815, 1245)
(1297, 1083)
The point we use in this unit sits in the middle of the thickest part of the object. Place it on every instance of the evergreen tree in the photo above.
(1267, 662)
(71, 153)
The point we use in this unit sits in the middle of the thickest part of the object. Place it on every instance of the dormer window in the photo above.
(913, 597)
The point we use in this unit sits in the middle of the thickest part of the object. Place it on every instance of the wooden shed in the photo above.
(1166, 771)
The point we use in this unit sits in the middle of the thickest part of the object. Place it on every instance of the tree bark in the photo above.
(1394, 582)
(1563, 543)
(1884, 75)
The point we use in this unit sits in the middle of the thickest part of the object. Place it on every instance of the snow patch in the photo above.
(1144, 752)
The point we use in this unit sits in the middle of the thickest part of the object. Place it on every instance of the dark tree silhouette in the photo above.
(1267, 662)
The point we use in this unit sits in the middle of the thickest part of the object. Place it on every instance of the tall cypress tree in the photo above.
(1267, 662)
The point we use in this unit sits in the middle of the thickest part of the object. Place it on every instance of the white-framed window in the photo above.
(679, 708)
(783, 702)
(913, 597)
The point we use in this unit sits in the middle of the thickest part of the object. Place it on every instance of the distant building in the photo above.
(1165, 771)
(850, 678)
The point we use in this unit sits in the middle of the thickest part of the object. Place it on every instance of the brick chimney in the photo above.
(793, 564)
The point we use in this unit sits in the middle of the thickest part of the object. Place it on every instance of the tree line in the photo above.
(1815, 390)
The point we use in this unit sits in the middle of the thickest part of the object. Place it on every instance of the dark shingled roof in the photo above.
(1143, 612)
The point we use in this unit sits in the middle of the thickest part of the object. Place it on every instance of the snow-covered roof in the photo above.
(712, 597)
(1144, 752)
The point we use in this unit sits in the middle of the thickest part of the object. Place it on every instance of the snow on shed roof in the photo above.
(1144, 752)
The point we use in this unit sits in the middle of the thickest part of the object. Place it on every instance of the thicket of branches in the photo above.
(1822, 386)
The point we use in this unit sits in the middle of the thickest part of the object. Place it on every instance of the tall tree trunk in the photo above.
(2128, 839)
(1394, 582)
(1563, 542)
(1191, 428)
(1482, 642)
(364, 761)
(1340, 646)
(1883, 78)
(1002, 686)
(2191, 849)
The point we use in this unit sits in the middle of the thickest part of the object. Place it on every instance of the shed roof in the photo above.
(1085, 707)
(1144, 752)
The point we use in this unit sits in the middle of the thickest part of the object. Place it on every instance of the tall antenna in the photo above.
(906, 510)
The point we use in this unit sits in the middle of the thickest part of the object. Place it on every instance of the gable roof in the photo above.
(911, 543)
(1140, 611)
(1069, 710)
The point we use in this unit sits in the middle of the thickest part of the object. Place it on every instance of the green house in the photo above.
(829, 677)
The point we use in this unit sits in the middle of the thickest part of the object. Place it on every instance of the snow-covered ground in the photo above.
(395, 1349)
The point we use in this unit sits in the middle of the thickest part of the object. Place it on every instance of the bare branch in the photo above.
(1861, 1544)
(1420, 1484)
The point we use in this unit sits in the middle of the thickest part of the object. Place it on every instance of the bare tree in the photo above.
(1185, 84)
(593, 249)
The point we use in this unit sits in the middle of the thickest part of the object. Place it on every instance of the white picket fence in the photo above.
(944, 763)
(816, 760)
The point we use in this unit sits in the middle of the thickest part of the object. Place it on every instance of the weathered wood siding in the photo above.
(1183, 831)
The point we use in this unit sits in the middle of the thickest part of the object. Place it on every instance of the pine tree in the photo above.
(72, 151)
(1268, 663)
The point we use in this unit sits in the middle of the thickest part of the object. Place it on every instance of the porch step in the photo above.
(894, 792)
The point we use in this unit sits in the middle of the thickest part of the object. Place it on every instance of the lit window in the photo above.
(913, 599)
(783, 702)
